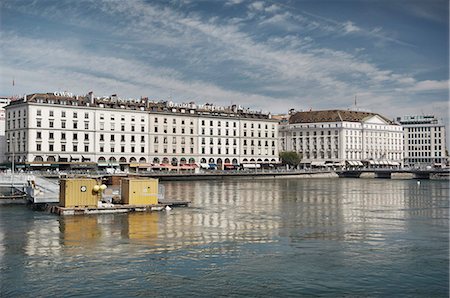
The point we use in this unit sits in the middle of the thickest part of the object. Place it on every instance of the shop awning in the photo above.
(204, 165)
(188, 166)
(318, 163)
(251, 165)
(108, 164)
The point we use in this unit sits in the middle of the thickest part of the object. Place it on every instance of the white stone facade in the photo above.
(343, 137)
(3, 102)
(425, 143)
(50, 129)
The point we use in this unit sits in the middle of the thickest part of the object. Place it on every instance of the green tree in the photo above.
(291, 158)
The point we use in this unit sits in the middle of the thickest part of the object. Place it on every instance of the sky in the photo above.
(392, 56)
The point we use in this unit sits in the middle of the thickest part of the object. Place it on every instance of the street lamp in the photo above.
(12, 163)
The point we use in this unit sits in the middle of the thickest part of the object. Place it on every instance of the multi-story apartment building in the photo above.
(424, 142)
(343, 137)
(66, 131)
(3, 102)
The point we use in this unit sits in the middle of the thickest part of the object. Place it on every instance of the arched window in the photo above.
(191, 160)
(133, 159)
(211, 160)
(235, 162)
(38, 158)
(101, 159)
(51, 158)
(142, 160)
(182, 161)
(156, 160)
(123, 160)
(203, 160)
(227, 160)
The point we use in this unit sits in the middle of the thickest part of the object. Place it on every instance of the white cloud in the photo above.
(288, 68)
(349, 27)
(258, 5)
(429, 85)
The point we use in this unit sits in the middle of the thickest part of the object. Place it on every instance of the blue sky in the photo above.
(265, 55)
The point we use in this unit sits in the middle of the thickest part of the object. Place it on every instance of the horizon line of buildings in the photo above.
(60, 130)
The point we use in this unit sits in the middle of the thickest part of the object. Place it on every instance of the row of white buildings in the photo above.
(59, 130)
(63, 131)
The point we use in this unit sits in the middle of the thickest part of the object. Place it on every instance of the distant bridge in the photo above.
(387, 173)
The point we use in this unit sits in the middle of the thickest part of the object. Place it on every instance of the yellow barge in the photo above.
(85, 196)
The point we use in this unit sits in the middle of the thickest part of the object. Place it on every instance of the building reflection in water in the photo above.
(142, 227)
(220, 212)
(247, 212)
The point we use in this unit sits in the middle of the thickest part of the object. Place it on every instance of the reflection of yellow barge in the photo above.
(84, 196)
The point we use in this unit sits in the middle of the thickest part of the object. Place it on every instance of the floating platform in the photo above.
(116, 208)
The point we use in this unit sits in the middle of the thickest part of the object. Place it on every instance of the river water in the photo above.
(284, 237)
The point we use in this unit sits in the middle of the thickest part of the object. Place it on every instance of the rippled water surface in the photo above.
(286, 237)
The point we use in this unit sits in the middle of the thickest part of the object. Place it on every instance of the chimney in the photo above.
(91, 97)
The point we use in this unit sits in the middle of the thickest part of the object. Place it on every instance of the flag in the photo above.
(13, 82)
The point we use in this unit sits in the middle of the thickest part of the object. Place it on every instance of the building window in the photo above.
(63, 147)
(38, 135)
(86, 137)
(38, 147)
(122, 149)
(86, 148)
(38, 123)
(86, 125)
(75, 115)
(63, 114)
(50, 147)
(86, 115)
(75, 125)
(75, 148)
(38, 113)
(75, 136)
(142, 149)
(51, 135)
(132, 149)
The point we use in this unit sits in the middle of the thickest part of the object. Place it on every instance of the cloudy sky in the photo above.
(266, 55)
